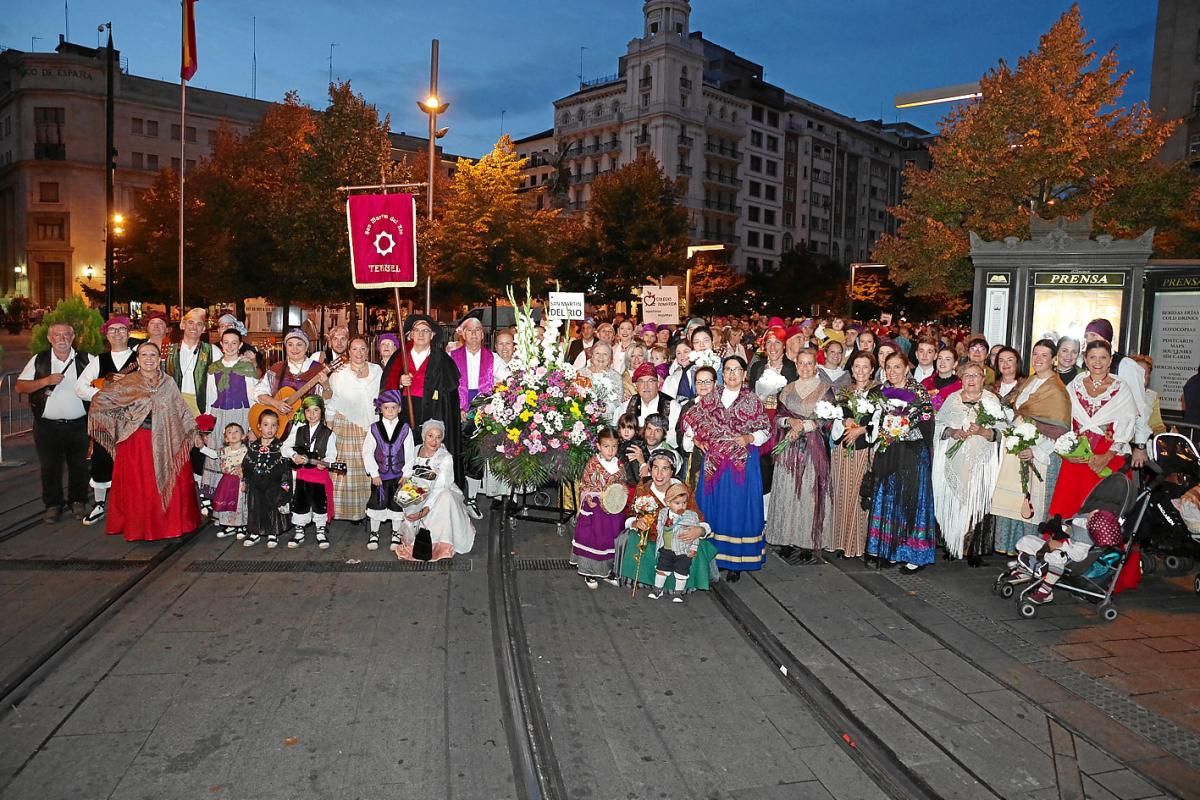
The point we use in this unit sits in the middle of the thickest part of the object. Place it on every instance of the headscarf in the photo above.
(1101, 327)
(296, 333)
(118, 410)
(433, 423)
(311, 401)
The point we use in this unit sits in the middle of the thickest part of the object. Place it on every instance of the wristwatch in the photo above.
(1140, 446)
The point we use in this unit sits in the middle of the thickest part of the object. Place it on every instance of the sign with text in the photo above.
(1174, 344)
(1071, 280)
(566, 305)
(383, 240)
(660, 305)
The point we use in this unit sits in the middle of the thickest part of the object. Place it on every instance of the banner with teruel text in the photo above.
(383, 240)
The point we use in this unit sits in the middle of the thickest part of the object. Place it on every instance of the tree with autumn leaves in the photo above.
(1048, 137)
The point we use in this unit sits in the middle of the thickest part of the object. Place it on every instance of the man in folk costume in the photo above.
(476, 369)
(187, 361)
(107, 367)
(649, 400)
(310, 442)
(383, 459)
(339, 344)
(432, 382)
(1131, 372)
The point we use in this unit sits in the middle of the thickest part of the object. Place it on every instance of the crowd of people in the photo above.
(819, 438)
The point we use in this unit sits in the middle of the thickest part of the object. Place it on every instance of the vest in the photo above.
(199, 372)
(314, 448)
(389, 454)
(41, 368)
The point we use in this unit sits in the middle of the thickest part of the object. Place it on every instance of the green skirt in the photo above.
(630, 569)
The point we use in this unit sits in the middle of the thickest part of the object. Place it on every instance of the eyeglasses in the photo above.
(709, 382)
(733, 368)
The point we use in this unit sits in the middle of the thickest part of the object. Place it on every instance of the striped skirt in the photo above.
(733, 507)
(846, 469)
(352, 490)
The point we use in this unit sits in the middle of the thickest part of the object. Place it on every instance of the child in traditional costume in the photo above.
(310, 446)
(199, 458)
(674, 555)
(228, 498)
(266, 475)
(383, 458)
(596, 529)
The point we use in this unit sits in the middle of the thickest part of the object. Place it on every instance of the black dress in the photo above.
(267, 475)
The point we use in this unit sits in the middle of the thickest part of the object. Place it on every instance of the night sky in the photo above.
(852, 56)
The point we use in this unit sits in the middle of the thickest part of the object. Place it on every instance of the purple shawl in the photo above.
(487, 378)
(812, 447)
(716, 427)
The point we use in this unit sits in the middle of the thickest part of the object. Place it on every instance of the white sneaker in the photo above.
(252, 539)
(95, 515)
(226, 532)
(655, 595)
(677, 598)
(272, 542)
(373, 542)
(322, 542)
(296, 541)
(591, 583)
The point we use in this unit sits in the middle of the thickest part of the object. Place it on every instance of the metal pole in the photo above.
(412, 420)
(687, 293)
(433, 93)
(183, 169)
(110, 168)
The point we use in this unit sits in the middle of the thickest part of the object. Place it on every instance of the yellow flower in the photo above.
(530, 398)
(501, 388)
(575, 409)
(526, 416)
(514, 434)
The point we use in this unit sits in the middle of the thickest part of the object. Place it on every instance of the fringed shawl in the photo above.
(1049, 407)
(118, 410)
(798, 400)
(963, 483)
(716, 428)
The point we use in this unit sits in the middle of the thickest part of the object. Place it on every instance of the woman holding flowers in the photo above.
(799, 515)
(730, 426)
(606, 381)
(442, 510)
(901, 526)
(850, 458)
(965, 462)
(769, 373)
(1029, 466)
(1103, 413)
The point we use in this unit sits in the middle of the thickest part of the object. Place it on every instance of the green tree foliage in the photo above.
(1048, 136)
(636, 230)
(489, 235)
(76, 313)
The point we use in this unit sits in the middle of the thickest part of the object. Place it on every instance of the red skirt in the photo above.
(134, 509)
(1076, 482)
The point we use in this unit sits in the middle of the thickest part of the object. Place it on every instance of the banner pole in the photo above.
(412, 419)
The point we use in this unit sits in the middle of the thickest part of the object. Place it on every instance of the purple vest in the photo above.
(389, 455)
(487, 379)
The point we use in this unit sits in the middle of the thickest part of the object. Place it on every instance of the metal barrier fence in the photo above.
(16, 419)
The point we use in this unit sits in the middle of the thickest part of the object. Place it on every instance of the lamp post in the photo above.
(433, 106)
(110, 169)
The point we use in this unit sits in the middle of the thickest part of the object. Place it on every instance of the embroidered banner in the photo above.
(383, 240)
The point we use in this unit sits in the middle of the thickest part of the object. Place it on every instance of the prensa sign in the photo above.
(383, 240)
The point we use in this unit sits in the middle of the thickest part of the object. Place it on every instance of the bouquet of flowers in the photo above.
(705, 358)
(645, 508)
(540, 425)
(988, 414)
(1071, 445)
(1024, 435)
(860, 405)
(410, 494)
(899, 415)
(823, 410)
(769, 385)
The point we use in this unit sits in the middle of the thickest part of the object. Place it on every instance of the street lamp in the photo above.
(89, 272)
(433, 106)
(118, 224)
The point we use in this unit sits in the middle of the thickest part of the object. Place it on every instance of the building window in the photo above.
(756, 113)
(755, 163)
(646, 100)
(152, 162)
(137, 160)
(752, 238)
(768, 265)
(51, 229)
(771, 193)
(755, 189)
(768, 216)
(175, 131)
(789, 219)
(773, 119)
(756, 138)
(49, 143)
(752, 212)
(772, 167)
(773, 144)
(212, 138)
(152, 128)
(789, 194)
(136, 126)
(48, 192)
(768, 241)
(751, 263)
(191, 134)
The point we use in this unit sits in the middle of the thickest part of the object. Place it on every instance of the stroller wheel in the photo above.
(1006, 590)
(1028, 610)
(1149, 563)
(1108, 612)
(1197, 584)
(1176, 565)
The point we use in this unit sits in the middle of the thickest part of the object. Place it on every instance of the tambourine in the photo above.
(614, 499)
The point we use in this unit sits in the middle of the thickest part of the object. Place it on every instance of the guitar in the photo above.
(333, 466)
(129, 367)
(291, 398)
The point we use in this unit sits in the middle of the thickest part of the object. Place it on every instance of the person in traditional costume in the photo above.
(1042, 401)
(311, 445)
(339, 344)
(596, 527)
(106, 367)
(1104, 412)
(799, 516)
(1008, 374)
(351, 411)
(228, 492)
(944, 381)
(293, 371)
(477, 376)
(188, 360)
(230, 382)
(850, 459)
(635, 550)
(607, 385)
(386, 344)
(902, 526)
(691, 458)
(674, 553)
(963, 482)
(432, 381)
(650, 400)
(730, 426)
(443, 511)
(769, 373)
(267, 476)
(1066, 362)
(383, 453)
(144, 423)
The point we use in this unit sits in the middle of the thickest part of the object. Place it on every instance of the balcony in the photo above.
(686, 141)
(642, 140)
(722, 179)
(602, 147)
(723, 208)
(683, 169)
(716, 236)
(723, 151)
(685, 84)
(645, 83)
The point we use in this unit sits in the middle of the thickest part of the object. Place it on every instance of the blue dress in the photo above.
(734, 509)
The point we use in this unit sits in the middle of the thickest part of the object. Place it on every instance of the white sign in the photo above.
(995, 315)
(660, 305)
(1174, 345)
(566, 305)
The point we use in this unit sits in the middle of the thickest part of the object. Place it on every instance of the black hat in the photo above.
(413, 319)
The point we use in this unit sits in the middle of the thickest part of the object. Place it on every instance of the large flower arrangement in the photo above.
(540, 425)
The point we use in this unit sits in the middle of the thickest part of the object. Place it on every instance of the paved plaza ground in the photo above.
(217, 671)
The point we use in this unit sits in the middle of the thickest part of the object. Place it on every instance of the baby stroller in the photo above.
(1091, 575)
(1165, 536)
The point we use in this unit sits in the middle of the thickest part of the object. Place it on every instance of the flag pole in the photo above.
(183, 48)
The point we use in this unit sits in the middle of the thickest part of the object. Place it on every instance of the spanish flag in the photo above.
(188, 62)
